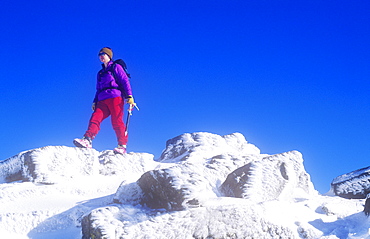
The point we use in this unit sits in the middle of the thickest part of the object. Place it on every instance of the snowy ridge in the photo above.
(203, 186)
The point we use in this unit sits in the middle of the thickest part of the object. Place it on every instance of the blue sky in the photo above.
(288, 75)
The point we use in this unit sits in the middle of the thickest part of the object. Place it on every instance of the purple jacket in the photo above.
(109, 87)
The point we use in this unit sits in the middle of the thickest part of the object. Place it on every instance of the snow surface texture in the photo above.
(203, 186)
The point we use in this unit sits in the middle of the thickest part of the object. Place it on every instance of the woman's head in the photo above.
(105, 54)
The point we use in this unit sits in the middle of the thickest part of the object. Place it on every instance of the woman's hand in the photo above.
(130, 100)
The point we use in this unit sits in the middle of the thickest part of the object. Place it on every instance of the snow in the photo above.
(56, 191)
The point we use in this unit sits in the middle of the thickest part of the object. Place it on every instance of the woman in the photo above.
(112, 87)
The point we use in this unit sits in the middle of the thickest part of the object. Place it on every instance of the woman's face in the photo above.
(104, 57)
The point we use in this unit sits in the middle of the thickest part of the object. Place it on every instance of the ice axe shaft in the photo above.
(130, 108)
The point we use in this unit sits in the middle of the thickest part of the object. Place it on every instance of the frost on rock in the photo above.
(53, 164)
(52, 188)
(130, 165)
(11, 169)
(176, 186)
(49, 164)
(270, 178)
(173, 189)
(205, 145)
(191, 170)
(101, 223)
(181, 182)
(217, 221)
(182, 195)
(355, 184)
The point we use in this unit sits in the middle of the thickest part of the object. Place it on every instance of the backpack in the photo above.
(123, 64)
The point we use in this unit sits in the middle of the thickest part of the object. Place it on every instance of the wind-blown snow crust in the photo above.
(203, 186)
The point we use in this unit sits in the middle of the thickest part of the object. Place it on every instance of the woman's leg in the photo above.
(116, 111)
(101, 112)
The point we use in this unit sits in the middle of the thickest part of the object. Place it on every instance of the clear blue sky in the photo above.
(288, 75)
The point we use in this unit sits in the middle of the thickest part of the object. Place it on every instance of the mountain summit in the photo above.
(203, 186)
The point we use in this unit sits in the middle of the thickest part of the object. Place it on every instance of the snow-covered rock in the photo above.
(49, 165)
(53, 187)
(272, 177)
(205, 145)
(192, 168)
(53, 164)
(196, 177)
(223, 218)
(203, 186)
(355, 184)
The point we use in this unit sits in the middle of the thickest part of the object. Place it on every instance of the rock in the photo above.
(49, 164)
(181, 185)
(131, 165)
(244, 220)
(355, 184)
(191, 168)
(173, 188)
(188, 181)
(186, 188)
(205, 145)
(101, 223)
(53, 164)
(270, 178)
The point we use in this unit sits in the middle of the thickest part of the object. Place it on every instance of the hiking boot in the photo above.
(85, 142)
(121, 149)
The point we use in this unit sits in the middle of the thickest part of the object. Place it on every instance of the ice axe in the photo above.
(130, 109)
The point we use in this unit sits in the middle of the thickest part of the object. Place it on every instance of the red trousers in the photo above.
(110, 107)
